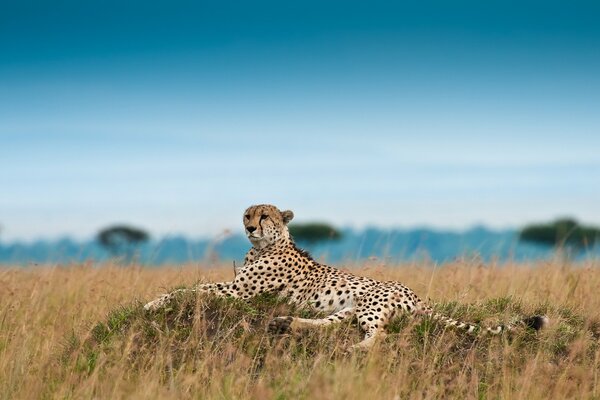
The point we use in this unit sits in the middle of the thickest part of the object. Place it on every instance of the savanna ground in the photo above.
(79, 332)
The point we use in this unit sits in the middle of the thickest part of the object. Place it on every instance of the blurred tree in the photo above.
(314, 232)
(121, 240)
(563, 234)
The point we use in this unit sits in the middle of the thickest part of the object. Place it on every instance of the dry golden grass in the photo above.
(52, 345)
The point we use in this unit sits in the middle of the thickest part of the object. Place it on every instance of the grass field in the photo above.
(79, 332)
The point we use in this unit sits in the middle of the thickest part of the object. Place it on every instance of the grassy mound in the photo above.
(204, 334)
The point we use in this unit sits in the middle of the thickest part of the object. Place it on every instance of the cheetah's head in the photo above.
(265, 224)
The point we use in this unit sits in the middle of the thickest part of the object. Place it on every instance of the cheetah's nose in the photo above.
(251, 228)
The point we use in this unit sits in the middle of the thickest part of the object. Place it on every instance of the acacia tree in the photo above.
(563, 234)
(314, 232)
(122, 240)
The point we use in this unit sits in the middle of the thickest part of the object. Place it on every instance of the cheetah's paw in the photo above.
(280, 324)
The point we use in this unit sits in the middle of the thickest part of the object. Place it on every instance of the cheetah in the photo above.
(275, 264)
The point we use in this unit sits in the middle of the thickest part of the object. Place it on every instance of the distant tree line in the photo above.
(562, 234)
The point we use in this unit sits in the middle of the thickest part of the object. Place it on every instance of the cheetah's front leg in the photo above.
(223, 289)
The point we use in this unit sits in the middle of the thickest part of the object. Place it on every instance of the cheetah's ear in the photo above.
(287, 216)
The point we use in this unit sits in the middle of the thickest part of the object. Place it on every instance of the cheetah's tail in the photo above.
(536, 322)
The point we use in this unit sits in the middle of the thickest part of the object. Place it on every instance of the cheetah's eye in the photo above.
(263, 217)
(247, 216)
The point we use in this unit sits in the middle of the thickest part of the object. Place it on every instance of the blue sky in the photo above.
(176, 116)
